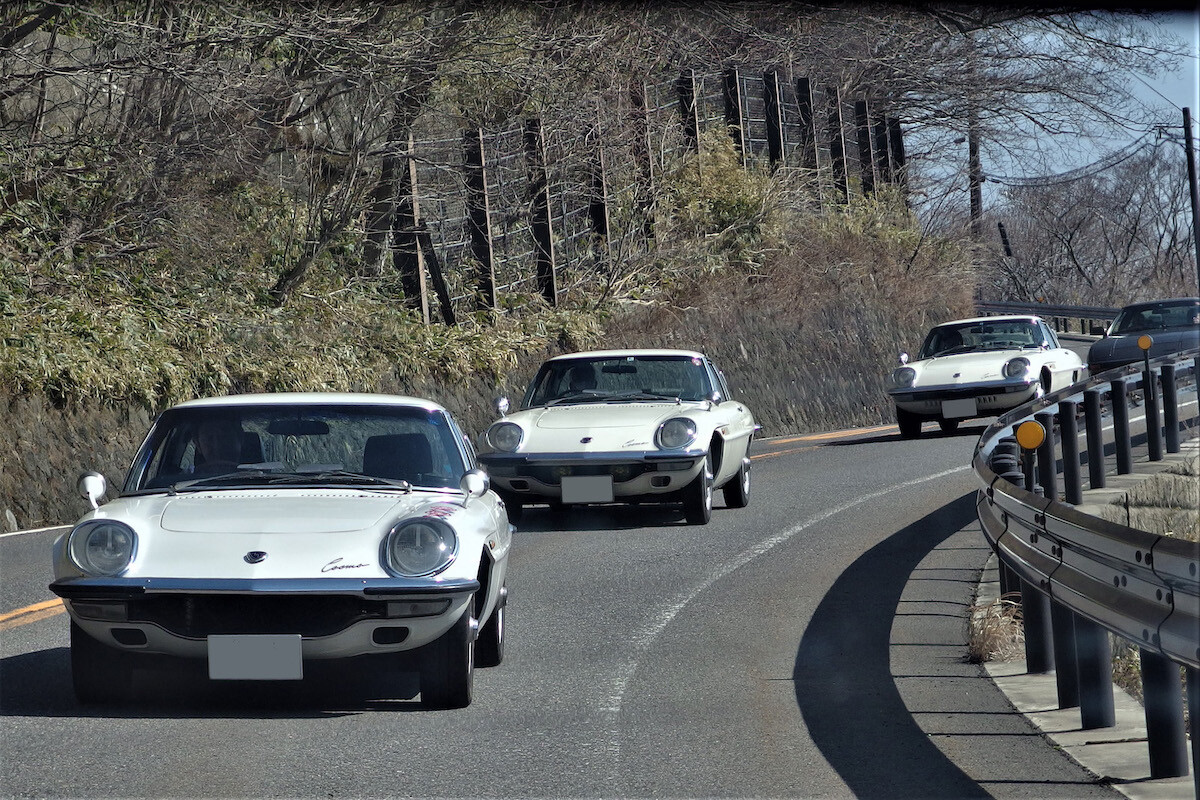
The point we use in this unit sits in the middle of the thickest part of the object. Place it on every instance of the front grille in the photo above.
(197, 616)
(552, 476)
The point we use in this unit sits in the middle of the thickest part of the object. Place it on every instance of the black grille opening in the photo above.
(198, 616)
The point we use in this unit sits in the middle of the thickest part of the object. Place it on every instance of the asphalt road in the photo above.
(809, 645)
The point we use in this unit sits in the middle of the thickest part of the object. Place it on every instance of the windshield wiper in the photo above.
(641, 396)
(338, 476)
(217, 480)
(578, 397)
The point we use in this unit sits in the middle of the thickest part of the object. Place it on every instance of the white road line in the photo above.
(646, 635)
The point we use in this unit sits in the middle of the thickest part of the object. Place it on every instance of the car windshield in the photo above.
(619, 379)
(982, 336)
(1157, 316)
(222, 447)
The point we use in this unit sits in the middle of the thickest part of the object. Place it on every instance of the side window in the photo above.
(719, 381)
(1049, 336)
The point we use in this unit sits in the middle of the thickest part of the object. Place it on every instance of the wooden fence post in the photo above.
(407, 258)
(774, 113)
(685, 86)
(540, 223)
(866, 161)
(598, 203)
(735, 116)
(642, 154)
(883, 155)
(837, 143)
(478, 218)
(435, 272)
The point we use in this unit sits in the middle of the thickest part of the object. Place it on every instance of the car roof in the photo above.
(624, 353)
(1172, 301)
(313, 398)
(998, 318)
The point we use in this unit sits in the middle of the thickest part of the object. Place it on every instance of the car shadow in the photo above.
(974, 431)
(543, 519)
(38, 684)
(843, 680)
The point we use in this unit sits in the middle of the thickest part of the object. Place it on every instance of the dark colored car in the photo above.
(1173, 325)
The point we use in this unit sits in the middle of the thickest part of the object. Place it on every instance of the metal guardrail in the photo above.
(1081, 577)
(1046, 310)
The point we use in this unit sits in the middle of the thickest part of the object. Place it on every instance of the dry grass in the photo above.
(996, 632)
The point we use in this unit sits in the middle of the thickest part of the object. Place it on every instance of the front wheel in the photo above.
(99, 674)
(698, 496)
(910, 424)
(737, 491)
(489, 647)
(948, 425)
(448, 667)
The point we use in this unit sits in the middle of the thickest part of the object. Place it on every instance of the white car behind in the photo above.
(606, 426)
(979, 367)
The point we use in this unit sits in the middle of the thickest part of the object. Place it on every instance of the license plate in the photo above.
(587, 489)
(957, 409)
(255, 658)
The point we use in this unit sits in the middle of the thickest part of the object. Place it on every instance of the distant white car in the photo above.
(259, 532)
(977, 368)
(623, 426)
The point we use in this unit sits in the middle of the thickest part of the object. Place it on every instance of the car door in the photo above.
(1064, 364)
(735, 425)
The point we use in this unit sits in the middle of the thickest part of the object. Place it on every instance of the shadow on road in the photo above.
(38, 684)
(843, 679)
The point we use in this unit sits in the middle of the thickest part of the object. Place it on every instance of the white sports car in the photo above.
(979, 367)
(259, 532)
(623, 425)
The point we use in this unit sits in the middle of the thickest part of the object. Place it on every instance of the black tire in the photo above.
(448, 667)
(948, 425)
(489, 647)
(737, 491)
(99, 674)
(698, 496)
(910, 424)
(513, 507)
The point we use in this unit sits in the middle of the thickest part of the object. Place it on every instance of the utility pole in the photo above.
(1191, 167)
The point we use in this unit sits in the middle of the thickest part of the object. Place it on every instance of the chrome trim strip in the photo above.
(112, 588)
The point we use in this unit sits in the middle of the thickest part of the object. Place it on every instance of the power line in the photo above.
(1106, 162)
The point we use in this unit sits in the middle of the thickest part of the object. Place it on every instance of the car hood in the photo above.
(1125, 345)
(964, 368)
(599, 427)
(309, 533)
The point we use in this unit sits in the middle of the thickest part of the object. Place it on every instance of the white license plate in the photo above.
(957, 409)
(255, 658)
(587, 489)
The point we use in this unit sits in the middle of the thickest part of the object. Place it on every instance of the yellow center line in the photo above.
(33, 613)
(784, 452)
(816, 437)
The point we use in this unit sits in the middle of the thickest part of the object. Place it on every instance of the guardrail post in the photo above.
(1072, 482)
(1153, 427)
(1120, 408)
(1066, 671)
(1093, 653)
(1095, 438)
(1164, 716)
(1193, 692)
(1047, 471)
(1170, 407)
(1039, 645)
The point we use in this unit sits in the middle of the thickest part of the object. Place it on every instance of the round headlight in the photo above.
(1016, 367)
(676, 432)
(103, 547)
(420, 547)
(904, 377)
(505, 436)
